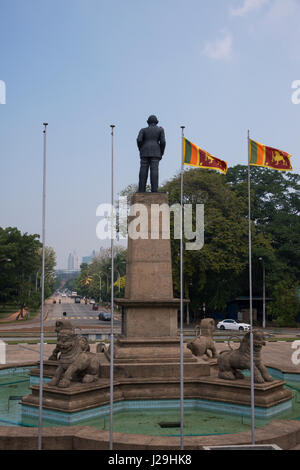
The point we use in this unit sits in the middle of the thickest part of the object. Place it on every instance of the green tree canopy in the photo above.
(275, 206)
(21, 260)
(212, 274)
(88, 282)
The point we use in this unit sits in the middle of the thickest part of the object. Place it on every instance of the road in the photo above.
(79, 314)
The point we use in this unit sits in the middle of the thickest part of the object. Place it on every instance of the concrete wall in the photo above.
(284, 433)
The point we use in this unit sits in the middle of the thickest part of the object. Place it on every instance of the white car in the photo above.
(233, 325)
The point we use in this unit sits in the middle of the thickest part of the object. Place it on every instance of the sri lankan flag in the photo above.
(260, 155)
(195, 156)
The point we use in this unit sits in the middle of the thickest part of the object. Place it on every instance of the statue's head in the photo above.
(152, 119)
(66, 340)
(258, 340)
(63, 325)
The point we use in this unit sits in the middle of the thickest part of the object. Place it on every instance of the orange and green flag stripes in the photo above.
(195, 156)
(260, 155)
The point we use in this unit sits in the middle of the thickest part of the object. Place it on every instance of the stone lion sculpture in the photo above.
(75, 361)
(231, 363)
(203, 344)
(67, 325)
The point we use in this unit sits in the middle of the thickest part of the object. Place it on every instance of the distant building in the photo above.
(76, 261)
(73, 262)
(89, 259)
(70, 262)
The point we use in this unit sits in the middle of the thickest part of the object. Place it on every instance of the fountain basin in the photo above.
(214, 417)
(160, 407)
(81, 402)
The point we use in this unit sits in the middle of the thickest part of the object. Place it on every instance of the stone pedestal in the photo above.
(150, 312)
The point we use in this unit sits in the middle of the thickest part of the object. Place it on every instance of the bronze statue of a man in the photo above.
(151, 143)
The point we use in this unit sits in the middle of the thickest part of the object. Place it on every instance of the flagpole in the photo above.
(40, 422)
(112, 296)
(181, 301)
(250, 300)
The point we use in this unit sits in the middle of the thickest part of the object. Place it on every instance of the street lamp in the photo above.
(264, 292)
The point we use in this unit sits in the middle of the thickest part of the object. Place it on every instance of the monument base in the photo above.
(144, 350)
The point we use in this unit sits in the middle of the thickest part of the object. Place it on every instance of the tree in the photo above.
(275, 206)
(212, 274)
(88, 282)
(285, 305)
(18, 277)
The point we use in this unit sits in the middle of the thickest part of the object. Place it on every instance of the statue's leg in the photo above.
(238, 374)
(80, 365)
(154, 174)
(214, 351)
(225, 369)
(257, 376)
(92, 371)
(226, 374)
(265, 374)
(66, 380)
(56, 376)
(143, 176)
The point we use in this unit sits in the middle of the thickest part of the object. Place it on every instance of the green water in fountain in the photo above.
(13, 386)
(196, 422)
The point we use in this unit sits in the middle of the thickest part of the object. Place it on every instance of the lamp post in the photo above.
(264, 292)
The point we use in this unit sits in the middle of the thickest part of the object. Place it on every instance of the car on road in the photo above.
(92, 301)
(77, 300)
(95, 307)
(64, 295)
(229, 324)
(104, 316)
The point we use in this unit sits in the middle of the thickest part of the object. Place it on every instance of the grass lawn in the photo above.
(9, 309)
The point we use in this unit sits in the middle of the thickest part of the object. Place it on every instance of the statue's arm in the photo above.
(162, 141)
(140, 138)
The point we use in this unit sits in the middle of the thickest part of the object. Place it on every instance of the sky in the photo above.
(219, 68)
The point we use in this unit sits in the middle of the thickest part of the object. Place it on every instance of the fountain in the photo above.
(146, 353)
